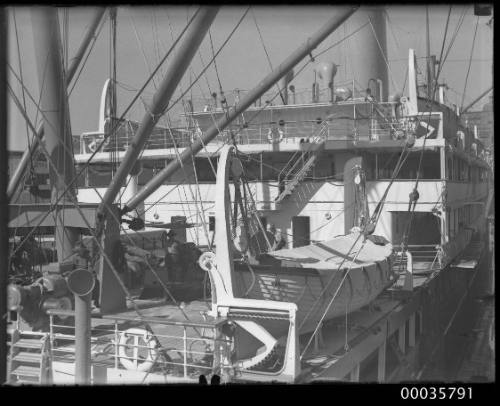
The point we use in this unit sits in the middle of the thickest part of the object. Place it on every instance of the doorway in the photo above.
(301, 231)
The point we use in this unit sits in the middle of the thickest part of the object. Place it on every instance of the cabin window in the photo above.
(82, 180)
(273, 165)
(268, 172)
(145, 175)
(205, 171)
(430, 168)
(369, 162)
(386, 164)
(99, 175)
(251, 164)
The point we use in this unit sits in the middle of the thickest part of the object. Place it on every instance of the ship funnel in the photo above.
(283, 85)
(326, 72)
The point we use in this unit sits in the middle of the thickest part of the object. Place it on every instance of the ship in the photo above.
(341, 218)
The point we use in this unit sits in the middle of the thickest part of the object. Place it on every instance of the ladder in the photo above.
(28, 358)
(301, 164)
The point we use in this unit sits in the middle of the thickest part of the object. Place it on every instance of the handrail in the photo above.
(71, 313)
(209, 345)
(305, 156)
(160, 320)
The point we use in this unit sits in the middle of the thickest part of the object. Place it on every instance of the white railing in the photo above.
(425, 257)
(186, 349)
(339, 129)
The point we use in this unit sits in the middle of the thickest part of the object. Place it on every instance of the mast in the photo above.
(244, 103)
(55, 111)
(428, 53)
(4, 236)
(74, 64)
(192, 41)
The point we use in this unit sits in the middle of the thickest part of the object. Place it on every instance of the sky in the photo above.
(145, 33)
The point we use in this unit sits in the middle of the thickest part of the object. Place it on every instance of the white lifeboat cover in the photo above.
(329, 255)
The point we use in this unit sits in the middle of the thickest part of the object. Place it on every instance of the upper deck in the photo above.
(347, 123)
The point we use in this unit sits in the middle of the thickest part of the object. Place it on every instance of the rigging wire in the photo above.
(318, 326)
(23, 93)
(267, 54)
(414, 194)
(76, 204)
(374, 217)
(139, 42)
(84, 167)
(382, 52)
(99, 146)
(452, 40)
(88, 53)
(470, 62)
(208, 65)
(183, 169)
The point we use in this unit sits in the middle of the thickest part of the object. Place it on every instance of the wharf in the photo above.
(479, 362)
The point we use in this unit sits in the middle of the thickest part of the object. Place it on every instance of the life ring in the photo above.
(271, 135)
(132, 363)
(92, 146)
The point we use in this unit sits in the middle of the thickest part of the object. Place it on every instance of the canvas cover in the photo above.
(329, 255)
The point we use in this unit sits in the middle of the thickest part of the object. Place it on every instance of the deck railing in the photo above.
(339, 129)
(425, 257)
(184, 349)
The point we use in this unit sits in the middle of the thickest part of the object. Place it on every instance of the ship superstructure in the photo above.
(295, 153)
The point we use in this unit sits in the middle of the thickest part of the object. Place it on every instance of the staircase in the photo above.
(28, 358)
(301, 163)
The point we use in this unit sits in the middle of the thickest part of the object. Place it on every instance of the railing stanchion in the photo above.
(116, 344)
(51, 332)
(185, 351)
